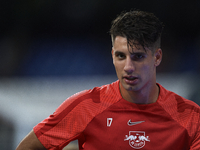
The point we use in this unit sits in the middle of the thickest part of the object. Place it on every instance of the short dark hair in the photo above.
(138, 26)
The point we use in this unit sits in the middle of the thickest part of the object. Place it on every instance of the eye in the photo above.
(120, 55)
(138, 56)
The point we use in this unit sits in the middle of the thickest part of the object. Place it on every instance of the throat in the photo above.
(142, 96)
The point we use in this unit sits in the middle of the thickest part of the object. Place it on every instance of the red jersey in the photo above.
(101, 119)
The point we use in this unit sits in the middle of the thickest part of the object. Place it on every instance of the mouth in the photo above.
(131, 79)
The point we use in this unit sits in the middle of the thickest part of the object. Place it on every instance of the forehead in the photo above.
(120, 44)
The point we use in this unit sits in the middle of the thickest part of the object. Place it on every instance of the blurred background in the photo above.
(50, 50)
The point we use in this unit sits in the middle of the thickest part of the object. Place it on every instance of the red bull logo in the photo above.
(136, 139)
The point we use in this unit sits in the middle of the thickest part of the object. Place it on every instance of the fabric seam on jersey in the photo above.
(172, 117)
(102, 112)
(118, 90)
(196, 132)
(63, 143)
(74, 104)
(159, 101)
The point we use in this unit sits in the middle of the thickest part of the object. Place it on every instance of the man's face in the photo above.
(135, 70)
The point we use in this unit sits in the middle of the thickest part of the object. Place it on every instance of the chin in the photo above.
(131, 87)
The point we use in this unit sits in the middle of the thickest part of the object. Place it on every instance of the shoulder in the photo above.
(103, 94)
(179, 108)
(98, 92)
(183, 111)
(75, 113)
(167, 96)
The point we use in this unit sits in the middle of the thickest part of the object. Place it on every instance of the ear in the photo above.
(158, 57)
(112, 52)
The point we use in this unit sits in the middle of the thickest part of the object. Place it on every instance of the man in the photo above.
(134, 112)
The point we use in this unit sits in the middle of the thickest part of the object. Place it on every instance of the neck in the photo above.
(145, 96)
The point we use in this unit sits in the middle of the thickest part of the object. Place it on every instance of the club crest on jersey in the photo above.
(137, 139)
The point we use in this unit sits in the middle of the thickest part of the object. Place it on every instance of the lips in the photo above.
(130, 79)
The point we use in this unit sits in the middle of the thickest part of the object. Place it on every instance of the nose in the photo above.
(129, 67)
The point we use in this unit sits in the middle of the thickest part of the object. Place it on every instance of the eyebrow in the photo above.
(132, 53)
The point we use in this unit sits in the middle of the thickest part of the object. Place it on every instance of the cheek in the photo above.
(147, 69)
(148, 65)
(118, 67)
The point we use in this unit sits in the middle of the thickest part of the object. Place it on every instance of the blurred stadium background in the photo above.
(50, 50)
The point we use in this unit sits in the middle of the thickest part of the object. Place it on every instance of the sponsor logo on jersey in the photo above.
(137, 139)
(133, 123)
